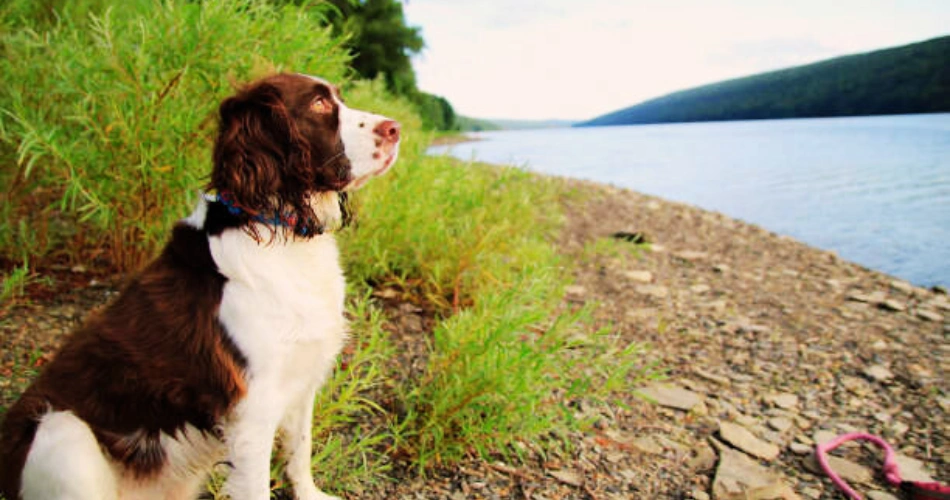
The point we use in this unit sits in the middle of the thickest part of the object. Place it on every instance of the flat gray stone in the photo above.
(931, 316)
(690, 255)
(656, 291)
(639, 276)
(704, 458)
(647, 445)
(784, 401)
(869, 298)
(892, 305)
(741, 438)
(823, 436)
(712, 377)
(849, 471)
(698, 494)
(575, 290)
(912, 469)
(780, 424)
(738, 477)
(881, 495)
(878, 373)
(902, 286)
(567, 477)
(801, 448)
(671, 396)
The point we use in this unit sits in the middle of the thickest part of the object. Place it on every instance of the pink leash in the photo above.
(913, 489)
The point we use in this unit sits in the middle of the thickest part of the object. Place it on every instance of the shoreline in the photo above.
(451, 139)
(760, 336)
(938, 285)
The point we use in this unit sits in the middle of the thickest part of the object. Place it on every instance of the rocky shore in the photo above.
(767, 345)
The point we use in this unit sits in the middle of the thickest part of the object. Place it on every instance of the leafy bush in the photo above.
(106, 119)
(447, 231)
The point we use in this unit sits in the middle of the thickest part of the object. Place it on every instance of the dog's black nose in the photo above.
(388, 130)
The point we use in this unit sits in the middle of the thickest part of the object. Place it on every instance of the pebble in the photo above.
(690, 255)
(878, 373)
(899, 428)
(784, 400)
(780, 424)
(740, 477)
(892, 305)
(647, 445)
(848, 470)
(575, 290)
(800, 448)
(931, 316)
(746, 420)
(639, 276)
(881, 495)
(704, 458)
(716, 305)
(567, 477)
(671, 396)
(912, 469)
(872, 298)
(902, 286)
(698, 494)
(814, 493)
(699, 289)
(741, 438)
(656, 291)
(719, 379)
(823, 436)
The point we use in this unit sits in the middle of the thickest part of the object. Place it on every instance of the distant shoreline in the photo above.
(448, 140)
(910, 247)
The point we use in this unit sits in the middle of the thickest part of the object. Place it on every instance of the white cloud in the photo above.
(573, 59)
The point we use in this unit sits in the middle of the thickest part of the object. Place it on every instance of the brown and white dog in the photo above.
(222, 342)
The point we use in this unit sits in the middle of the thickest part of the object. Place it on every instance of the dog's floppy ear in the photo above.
(261, 160)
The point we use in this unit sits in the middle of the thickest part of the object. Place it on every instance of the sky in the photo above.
(577, 59)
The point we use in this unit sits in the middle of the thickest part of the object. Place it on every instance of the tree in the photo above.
(381, 41)
(382, 45)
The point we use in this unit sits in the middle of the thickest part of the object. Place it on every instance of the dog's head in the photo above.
(288, 140)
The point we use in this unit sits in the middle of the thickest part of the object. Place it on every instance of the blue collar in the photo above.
(287, 219)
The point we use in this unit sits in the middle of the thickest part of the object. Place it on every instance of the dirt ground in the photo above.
(768, 346)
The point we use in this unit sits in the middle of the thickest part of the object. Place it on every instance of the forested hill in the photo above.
(908, 79)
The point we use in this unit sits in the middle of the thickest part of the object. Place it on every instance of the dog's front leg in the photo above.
(297, 445)
(250, 440)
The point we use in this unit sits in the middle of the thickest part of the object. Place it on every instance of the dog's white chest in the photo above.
(283, 302)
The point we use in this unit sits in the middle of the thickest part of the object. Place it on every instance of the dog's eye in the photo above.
(320, 105)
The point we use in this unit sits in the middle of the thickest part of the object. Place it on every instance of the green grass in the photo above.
(101, 175)
(106, 115)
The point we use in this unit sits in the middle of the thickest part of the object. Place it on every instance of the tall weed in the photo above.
(447, 231)
(109, 115)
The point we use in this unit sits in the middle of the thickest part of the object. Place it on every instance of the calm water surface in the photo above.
(874, 189)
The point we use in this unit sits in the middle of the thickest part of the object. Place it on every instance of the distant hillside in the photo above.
(469, 124)
(908, 79)
(528, 124)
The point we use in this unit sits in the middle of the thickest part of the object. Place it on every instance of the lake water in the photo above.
(876, 190)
